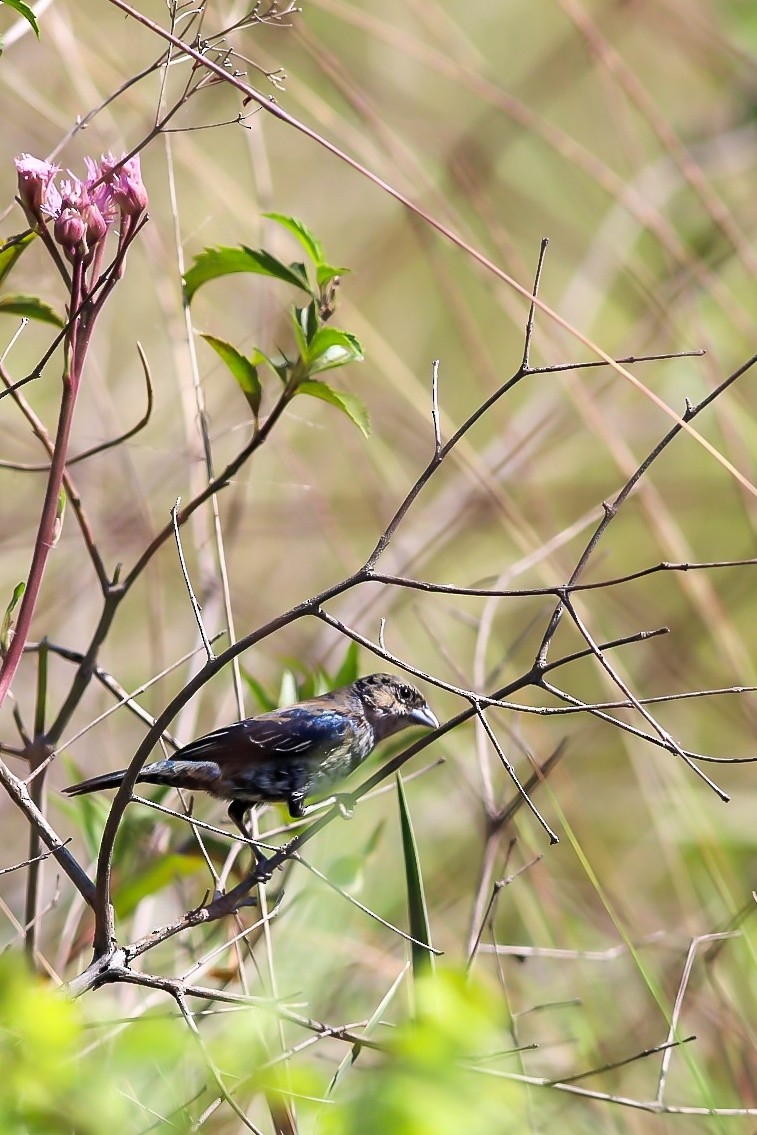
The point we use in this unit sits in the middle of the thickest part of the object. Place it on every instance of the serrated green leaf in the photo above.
(423, 959)
(243, 369)
(349, 404)
(25, 11)
(213, 263)
(331, 348)
(10, 251)
(30, 307)
(7, 623)
(309, 242)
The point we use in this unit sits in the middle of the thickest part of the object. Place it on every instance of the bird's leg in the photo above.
(296, 805)
(343, 800)
(237, 813)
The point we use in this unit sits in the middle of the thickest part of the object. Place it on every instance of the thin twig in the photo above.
(187, 582)
(38, 858)
(366, 910)
(525, 365)
(512, 774)
(435, 407)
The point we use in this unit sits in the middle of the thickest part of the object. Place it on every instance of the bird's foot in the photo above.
(262, 866)
(345, 802)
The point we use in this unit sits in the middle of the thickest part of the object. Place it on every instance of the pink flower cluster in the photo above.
(82, 211)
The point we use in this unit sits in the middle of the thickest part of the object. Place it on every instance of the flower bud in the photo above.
(35, 186)
(70, 230)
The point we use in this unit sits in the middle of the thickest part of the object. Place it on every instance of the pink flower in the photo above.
(35, 186)
(82, 210)
(125, 181)
(100, 192)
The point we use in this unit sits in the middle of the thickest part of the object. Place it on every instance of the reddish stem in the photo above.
(45, 533)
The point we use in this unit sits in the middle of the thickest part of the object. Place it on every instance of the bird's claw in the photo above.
(345, 804)
(263, 871)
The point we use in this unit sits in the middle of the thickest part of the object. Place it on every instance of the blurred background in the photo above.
(625, 133)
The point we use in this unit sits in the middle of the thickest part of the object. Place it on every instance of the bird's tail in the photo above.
(107, 780)
(176, 773)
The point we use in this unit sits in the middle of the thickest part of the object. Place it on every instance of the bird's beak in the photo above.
(425, 716)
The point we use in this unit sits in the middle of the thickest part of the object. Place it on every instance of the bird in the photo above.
(286, 755)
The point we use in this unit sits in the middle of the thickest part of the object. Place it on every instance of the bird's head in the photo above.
(392, 704)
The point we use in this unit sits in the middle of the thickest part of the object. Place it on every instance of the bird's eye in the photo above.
(407, 693)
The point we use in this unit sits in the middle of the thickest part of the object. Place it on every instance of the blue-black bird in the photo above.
(288, 754)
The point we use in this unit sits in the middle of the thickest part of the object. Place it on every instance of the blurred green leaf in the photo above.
(265, 701)
(424, 1084)
(244, 370)
(348, 671)
(349, 404)
(332, 348)
(25, 11)
(348, 870)
(10, 251)
(60, 515)
(213, 263)
(30, 307)
(58, 1079)
(309, 242)
(288, 691)
(88, 812)
(7, 624)
(158, 873)
(423, 960)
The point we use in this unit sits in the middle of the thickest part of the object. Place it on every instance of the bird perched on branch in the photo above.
(288, 754)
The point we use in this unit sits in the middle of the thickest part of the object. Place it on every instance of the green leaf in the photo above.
(325, 273)
(159, 873)
(212, 263)
(349, 404)
(30, 307)
(259, 692)
(348, 671)
(60, 513)
(25, 11)
(307, 324)
(10, 251)
(244, 370)
(347, 871)
(423, 959)
(331, 348)
(312, 246)
(89, 813)
(300, 336)
(7, 623)
(288, 691)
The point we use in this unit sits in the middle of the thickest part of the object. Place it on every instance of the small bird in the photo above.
(288, 754)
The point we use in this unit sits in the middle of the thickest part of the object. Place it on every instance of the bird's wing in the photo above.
(297, 732)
